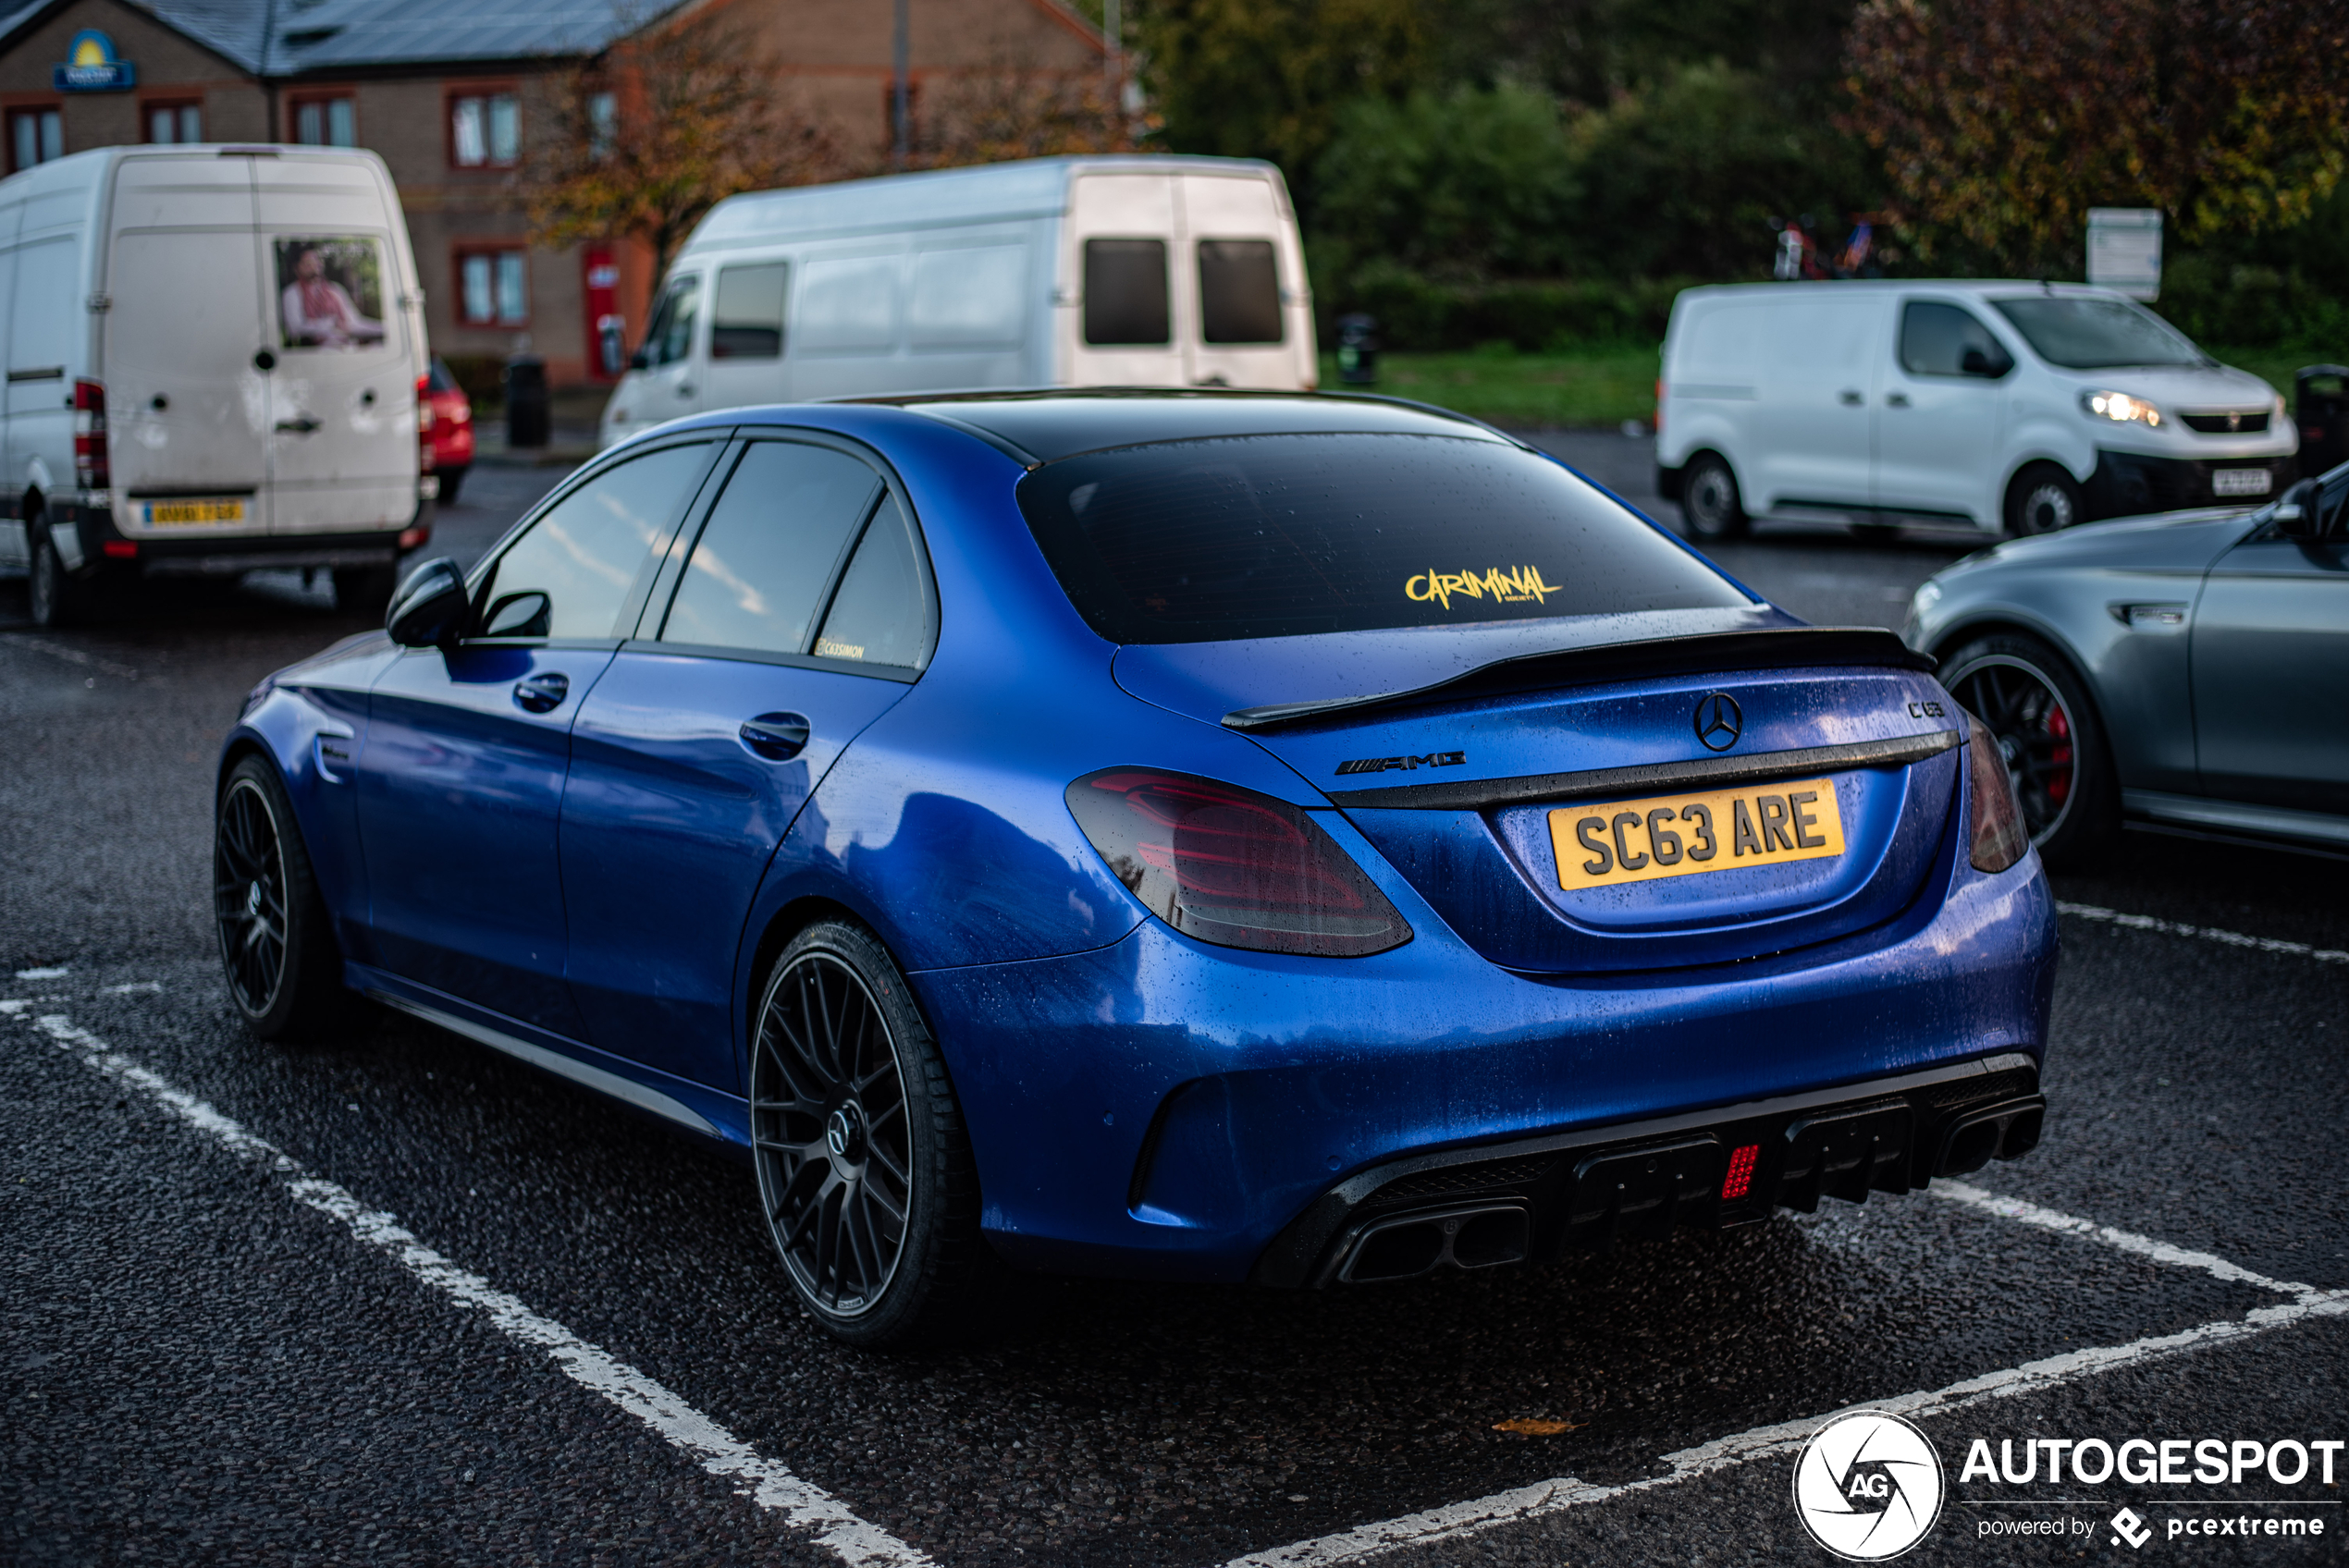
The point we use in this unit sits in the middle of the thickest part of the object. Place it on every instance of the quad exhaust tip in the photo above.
(1475, 1236)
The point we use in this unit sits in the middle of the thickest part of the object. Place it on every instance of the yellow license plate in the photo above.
(1605, 846)
(179, 514)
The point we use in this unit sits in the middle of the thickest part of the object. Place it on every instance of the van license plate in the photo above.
(2240, 482)
(180, 514)
(1604, 845)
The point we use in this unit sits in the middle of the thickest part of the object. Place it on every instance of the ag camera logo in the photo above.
(1868, 1486)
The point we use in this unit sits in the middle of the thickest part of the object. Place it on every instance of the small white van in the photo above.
(212, 357)
(2022, 407)
(1053, 272)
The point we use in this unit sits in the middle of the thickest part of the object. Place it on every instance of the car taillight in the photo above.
(424, 405)
(90, 469)
(1998, 835)
(1230, 866)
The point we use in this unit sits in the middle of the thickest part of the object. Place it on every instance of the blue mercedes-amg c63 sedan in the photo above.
(1208, 836)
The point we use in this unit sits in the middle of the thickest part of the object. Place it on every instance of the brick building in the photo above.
(440, 90)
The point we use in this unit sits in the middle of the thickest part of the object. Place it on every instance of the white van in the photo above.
(212, 357)
(2022, 407)
(1053, 272)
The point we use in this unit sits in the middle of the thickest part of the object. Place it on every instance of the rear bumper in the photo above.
(103, 548)
(2127, 484)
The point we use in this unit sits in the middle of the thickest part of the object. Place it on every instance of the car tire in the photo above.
(2042, 498)
(865, 1170)
(56, 598)
(1709, 499)
(2026, 694)
(453, 480)
(366, 590)
(277, 942)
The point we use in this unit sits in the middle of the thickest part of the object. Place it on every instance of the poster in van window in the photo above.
(330, 292)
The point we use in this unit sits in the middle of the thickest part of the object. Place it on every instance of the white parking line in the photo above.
(2207, 933)
(1546, 1497)
(765, 1482)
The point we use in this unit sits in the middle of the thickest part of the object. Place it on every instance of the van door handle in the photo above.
(1849, 398)
(301, 426)
(1895, 399)
(684, 389)
(542, 694)
(777, 737)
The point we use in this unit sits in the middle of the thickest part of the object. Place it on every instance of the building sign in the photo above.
(92, 66)
(2124, 249)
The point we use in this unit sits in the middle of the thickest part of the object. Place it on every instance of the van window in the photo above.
(585, 552)
(1125, 292)
(748, 324)
(971, 298)
(1934, 341)
(670, 336)
(1284, 535)
(760, 568)
(45, 321)
(330, 292)
(881, 614)
(848, 305)
(1240, 291)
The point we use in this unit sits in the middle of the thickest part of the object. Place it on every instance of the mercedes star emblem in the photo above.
(1719, 722)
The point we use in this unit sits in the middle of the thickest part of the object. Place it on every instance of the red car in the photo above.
(444, 424)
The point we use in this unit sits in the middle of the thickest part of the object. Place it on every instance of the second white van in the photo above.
(1110, 271)
(212, 357)
(2013, 407)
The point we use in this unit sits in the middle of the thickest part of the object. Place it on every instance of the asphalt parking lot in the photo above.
(395, 1297)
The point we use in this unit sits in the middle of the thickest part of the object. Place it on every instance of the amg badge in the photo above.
(1381, 764)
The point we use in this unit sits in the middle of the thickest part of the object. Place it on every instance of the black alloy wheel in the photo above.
(2043, 499)
(283, 969)
(864, 1173)
(1709, 499)
(2047, 729)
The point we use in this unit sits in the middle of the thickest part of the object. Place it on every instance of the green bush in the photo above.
(2213, 300)
(1415, 311)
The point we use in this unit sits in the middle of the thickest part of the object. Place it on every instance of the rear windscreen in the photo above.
(1284, 535)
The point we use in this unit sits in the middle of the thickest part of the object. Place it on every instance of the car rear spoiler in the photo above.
(1713, 653)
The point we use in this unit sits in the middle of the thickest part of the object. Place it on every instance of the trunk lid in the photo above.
(1825, 784)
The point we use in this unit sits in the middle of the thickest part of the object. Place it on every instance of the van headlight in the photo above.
(2121, 408)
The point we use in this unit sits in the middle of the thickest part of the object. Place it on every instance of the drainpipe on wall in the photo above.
(900, 90)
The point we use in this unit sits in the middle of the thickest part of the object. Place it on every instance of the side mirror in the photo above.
(2296, 515)
(429, 610)
(640, 360)
(1974, 362)
(526, 614)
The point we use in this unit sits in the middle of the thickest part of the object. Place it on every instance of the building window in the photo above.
(175, 122)
(485, 129)
(326, 122)
(493, 288)
(603, 122)
(36, 136)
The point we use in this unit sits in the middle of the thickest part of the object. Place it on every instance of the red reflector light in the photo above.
(122, 549)
(411, 537)
(1740, 1180)
(1230, 866)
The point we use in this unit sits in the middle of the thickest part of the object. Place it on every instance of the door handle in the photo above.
(684, 389)
(1849, 398)
(301, 426)
(542, 694)
(1895, 399)
(777, 737)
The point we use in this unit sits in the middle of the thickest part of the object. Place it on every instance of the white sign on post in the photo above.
(2124, 249)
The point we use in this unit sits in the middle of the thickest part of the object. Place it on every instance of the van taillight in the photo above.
(1659, 408)
(91, 469)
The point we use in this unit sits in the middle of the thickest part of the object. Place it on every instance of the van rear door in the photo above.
(188, 407)
(1245, 278)
(341, 430)
(1119, 303)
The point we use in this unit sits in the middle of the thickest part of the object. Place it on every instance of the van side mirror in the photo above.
(1974, 362)
(2297, 516)
(640, 360)
(429, 610)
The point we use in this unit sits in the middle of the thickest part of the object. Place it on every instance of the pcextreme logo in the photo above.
(1509, 584)
(1868, 1486)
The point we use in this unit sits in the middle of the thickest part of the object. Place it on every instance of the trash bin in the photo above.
(1358, 350)
(2323, 413)
(527, 416)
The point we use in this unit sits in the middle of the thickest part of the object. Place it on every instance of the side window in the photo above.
(881, 614)
(1125, 292)
(670, 336)
(1240, 291)
(748, 322)
(1935, 340)
(582, 556)
(757, 574)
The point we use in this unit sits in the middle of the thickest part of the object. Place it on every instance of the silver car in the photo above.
(2188, 672)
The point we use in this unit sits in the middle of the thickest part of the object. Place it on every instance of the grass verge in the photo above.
(1591, 387)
